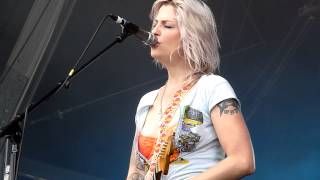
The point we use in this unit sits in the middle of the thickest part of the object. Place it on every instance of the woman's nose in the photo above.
(155, 30)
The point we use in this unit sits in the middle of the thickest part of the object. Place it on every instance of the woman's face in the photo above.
(165, 27)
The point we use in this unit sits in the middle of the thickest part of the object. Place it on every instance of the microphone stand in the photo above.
(13, 131)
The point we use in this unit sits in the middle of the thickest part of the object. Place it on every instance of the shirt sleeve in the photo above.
(218, 91)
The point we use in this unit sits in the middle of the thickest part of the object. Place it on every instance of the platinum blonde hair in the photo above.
(198, 32)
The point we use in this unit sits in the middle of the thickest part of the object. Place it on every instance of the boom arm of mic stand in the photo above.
(13, 130)
(13, 126)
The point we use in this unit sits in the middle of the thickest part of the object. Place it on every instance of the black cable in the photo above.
(73, 72)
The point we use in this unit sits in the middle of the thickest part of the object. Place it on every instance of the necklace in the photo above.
(189, 79)
(161, 100)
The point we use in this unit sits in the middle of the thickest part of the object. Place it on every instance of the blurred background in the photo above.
(270, 54)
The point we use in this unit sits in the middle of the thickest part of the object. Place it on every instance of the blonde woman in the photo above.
(192, 126)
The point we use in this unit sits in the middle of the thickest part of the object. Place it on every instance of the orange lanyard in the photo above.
(162, 140)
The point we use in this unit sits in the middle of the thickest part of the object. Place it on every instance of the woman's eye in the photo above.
(153, 24)
(167, 26)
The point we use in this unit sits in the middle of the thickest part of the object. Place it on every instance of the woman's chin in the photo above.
(155, 55)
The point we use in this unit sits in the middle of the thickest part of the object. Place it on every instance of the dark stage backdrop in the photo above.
(270, 55)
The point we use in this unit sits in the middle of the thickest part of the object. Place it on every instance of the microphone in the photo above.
(146, 37)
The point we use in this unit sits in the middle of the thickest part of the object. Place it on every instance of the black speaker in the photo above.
(29, 46)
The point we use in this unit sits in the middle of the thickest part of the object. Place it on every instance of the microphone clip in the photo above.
(127, 28)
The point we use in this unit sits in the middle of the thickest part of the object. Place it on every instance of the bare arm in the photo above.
(235, 140)
(134, 173)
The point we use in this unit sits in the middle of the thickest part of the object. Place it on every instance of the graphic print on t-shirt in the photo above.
(187, 140)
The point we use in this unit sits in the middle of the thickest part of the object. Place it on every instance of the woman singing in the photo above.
(192, 126)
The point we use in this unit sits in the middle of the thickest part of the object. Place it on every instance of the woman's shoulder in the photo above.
(149, 95)
(148, 98)
(215, 89)
(214, 84)
(212, 80)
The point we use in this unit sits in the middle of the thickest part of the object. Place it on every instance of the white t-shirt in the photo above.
(195, 135)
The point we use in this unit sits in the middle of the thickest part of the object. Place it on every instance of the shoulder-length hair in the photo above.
(199, 39)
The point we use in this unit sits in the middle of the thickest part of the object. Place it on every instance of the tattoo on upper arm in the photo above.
(136, 176)
(229, 106)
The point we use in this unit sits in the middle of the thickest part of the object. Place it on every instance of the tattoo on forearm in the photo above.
(136, 176)
(229, 106)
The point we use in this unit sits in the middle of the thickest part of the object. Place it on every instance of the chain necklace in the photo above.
(161, 101)
(188, 80)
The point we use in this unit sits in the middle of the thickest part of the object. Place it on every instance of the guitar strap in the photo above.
(166, 132)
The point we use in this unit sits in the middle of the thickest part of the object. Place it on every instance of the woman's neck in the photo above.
(178, 73)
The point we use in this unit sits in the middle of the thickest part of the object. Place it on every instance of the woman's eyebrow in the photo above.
(166, 20)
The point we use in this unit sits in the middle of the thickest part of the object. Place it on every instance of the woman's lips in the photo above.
(155, 45)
